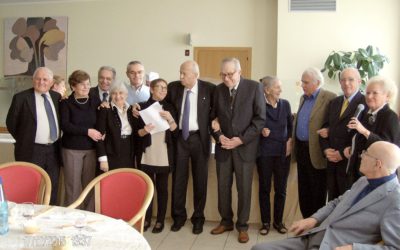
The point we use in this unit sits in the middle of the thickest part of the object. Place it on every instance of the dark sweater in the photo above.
(279, 121)
(76, 119)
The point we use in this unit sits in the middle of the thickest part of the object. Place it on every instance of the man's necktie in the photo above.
(232, 99)
(105, 95)
(344, 106)
(50, 117)
(185, 116)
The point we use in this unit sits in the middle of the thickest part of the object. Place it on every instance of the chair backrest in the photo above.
(25, 182)
(123, 193)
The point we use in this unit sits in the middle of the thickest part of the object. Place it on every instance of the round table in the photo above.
(58, 225)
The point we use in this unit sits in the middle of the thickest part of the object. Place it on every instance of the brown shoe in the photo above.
(243, 237)
(221, 229)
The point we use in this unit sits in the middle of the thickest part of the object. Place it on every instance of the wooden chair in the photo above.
(25, 182)
(123, 193)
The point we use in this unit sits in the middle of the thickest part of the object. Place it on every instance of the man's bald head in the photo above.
(387, 153)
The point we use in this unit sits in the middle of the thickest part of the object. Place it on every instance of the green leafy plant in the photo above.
(368, 61)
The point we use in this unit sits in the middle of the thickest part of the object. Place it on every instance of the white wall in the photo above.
(114, 32)
(306, 38)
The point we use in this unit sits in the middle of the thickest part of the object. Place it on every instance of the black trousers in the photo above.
(278, 166)
(190, 149)
(125, 158)
(336, 179)
(48, 158)
(311, 182)
(160, 181)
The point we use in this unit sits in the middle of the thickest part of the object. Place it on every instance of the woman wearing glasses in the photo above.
(157, 150)
(378, 123)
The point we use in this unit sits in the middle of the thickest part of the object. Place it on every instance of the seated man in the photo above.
(364, 215)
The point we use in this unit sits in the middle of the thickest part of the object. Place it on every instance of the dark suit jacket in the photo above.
(21, 122)
(340, 136)
(245, 120)
(94, 93)
(108, 123)
(386, 128)
(204, 106)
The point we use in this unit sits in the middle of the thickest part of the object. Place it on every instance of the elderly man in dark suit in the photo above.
(339, 113)
(311, 164)
(362, 217)
(33, 121)
(239, 108)
(106, 77)
(192, 98)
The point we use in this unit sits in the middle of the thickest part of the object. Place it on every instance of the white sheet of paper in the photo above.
(152, 115)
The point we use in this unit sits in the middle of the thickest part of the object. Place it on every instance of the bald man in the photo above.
(363, 216)
(340, 110)
(196, 95)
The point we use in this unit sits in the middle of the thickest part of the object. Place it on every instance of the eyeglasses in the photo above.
(161, 87)
(343, 80)
(230, 75)
(365, 152)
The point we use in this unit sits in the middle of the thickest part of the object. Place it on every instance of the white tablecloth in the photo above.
(57, 224)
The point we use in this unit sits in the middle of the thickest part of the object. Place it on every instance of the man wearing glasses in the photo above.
(363, 216)
(339, 112)
(239, 110)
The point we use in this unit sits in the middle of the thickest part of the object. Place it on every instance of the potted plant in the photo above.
(368, 62)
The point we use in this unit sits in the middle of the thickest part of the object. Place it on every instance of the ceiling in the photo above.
(10, 2)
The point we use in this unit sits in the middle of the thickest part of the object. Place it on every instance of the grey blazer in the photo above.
(245, 120)
(374, 218)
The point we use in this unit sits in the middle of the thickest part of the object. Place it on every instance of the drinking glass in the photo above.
(80, 221)
(28, 210)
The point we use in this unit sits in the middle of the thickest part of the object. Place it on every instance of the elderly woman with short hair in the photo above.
(274, 154)
(116, 122)
(377, 123)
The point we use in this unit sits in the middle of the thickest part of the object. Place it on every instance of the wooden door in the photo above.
(209, 60)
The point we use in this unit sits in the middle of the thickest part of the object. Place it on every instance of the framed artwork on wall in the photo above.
(31, 42)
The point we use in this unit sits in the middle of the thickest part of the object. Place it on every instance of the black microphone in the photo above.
(360, 108)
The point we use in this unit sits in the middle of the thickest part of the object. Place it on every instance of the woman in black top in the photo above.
(378, 123)
(157, 150)
(116, 122)
(78, 119)
(274, 154)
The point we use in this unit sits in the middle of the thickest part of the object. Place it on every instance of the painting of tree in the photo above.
(35, 42)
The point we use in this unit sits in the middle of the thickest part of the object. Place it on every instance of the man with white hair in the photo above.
(366, 214)
(311, 163)
(33, 121)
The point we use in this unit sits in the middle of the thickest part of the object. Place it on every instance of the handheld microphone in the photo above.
(360, 108)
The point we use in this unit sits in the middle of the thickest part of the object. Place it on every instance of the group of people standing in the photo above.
(100, 128)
